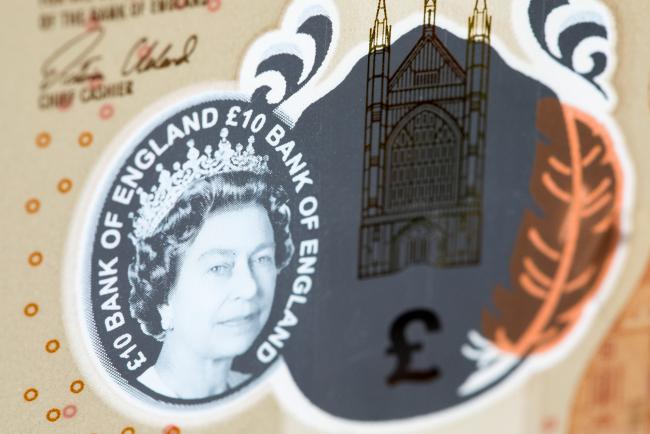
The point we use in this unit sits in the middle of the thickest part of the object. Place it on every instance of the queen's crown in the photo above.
(157, 203)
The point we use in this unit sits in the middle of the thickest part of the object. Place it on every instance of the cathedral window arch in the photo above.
(424, 157)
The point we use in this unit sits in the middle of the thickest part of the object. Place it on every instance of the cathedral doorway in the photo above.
(418, 243)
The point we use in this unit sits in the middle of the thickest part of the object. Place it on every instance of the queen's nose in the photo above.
(245, 283)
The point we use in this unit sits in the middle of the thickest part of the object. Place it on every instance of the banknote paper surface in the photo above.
(318, 216)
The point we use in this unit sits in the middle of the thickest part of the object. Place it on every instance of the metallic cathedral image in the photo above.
(423, 150)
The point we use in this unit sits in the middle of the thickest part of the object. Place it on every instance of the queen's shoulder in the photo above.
(148, 375)
(152, 380)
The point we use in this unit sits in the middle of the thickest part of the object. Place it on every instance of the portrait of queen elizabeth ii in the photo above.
(210, 240)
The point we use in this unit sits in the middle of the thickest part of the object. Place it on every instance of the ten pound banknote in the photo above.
(318, 216)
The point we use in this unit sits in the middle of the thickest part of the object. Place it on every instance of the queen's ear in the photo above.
(166, 317)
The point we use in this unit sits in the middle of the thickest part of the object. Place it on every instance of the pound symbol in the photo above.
(403, 349)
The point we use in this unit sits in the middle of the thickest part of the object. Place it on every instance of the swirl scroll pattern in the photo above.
(576, 35)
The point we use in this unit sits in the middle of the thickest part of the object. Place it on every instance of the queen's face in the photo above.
(226, 283)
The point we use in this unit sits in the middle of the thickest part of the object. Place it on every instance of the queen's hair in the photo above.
(153, 271)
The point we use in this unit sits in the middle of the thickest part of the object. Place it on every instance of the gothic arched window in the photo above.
(428, 144)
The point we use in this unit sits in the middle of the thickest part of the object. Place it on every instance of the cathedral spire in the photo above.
(480, 21)
(430, 16)
(480, 5)
(380, 33)
(477, 87)
(382, 15)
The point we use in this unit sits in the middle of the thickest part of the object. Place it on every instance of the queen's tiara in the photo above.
(156, 204)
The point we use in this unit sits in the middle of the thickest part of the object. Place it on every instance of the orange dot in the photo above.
(85, 139)
(31, 309)
(77, 386)
(32, 205)
(53, 414)
(171, 429)
(35, 259)
(52, 346)
(43, 139)
(30, 394)
(65, 185)
(128, 430)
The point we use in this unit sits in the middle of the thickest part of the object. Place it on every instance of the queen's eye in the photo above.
(265, 259)
(220, 269)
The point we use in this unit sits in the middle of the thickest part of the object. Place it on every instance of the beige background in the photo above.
(540, 406)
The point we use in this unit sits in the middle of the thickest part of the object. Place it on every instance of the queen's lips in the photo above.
(240, 319)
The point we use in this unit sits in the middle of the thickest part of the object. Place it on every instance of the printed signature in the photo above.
(73, 62)
(76, 61)
(145, 56)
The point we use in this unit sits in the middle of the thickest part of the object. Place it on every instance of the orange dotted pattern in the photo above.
(32, 206)
(30, 394)
(53, 414)
(128, 430)
(172, 429)
(65, 185)
(31, 309)
(35, 259)
(43, 139)
(85, 139)
(77, 386)
(52, 346)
